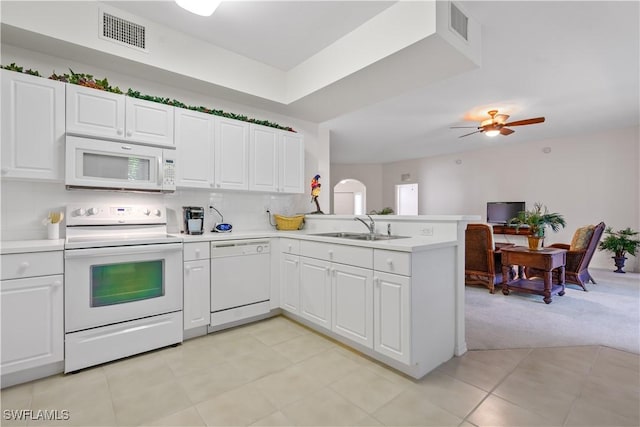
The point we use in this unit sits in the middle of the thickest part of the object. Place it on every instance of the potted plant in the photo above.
(537, 219)
(620, 243)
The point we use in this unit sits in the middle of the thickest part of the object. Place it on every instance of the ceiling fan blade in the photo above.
(462, 136)
(464, 127)
(505, 131)
(526, 122)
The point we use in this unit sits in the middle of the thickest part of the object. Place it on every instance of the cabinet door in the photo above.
(352, 308)
(93, 112)
(231, 154)
(263, 159)
(32, 322)
(149, 122)
(196, 294)
(32, 127)
(391, 315)
(291, 163)
(194, 148)
(290, 280)
(315, 291)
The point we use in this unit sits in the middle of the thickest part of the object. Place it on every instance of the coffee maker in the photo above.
(193, 219)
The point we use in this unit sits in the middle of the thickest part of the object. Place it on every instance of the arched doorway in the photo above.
(349, 197)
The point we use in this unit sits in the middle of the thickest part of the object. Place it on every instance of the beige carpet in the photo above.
(609, 315)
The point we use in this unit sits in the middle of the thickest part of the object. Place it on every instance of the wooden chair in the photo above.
(579, 253)
(482, 260)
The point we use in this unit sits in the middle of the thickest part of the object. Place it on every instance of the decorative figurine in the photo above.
(315, 192)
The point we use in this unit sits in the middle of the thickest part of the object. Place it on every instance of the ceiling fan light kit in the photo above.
(199, 7)
(497, 124)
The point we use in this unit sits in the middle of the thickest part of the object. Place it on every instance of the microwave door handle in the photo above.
(160, 172)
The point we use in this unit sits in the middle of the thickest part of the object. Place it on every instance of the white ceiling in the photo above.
(576, 63)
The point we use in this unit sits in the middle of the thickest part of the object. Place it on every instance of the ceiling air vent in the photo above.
(458, 21)
(123, 31)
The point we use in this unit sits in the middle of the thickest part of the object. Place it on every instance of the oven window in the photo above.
(116, 167)
(126, 282)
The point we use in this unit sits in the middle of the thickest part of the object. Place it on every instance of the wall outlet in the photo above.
(427, 231)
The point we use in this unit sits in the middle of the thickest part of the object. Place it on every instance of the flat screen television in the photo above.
(502, 212)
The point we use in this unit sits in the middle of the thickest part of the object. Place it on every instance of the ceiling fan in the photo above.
(497, 124)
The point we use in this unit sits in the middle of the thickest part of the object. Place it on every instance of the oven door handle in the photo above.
(123, 250)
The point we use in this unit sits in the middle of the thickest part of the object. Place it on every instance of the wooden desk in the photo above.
(546, 259)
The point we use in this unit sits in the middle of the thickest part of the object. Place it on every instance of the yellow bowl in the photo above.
(289, 222)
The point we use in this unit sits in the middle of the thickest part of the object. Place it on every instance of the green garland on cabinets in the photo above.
(88, 80)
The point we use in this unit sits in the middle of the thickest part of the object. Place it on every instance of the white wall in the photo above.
(24, 204)
(588, 178)
(368, 174)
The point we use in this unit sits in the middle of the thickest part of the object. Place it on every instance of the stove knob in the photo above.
(157, 212)
(146, 211)
(80, 212)
(92, 211)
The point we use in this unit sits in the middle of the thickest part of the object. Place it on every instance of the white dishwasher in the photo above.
(240, 275)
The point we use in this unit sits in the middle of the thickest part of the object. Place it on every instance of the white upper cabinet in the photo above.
(32, 127)
(93, 112)
(231, 154)
(291, 170)
(149, 122)
(276, 160)
(194, 137)
(263, 158)
(96, 113)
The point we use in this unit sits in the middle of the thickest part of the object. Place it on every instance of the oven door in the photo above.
(115, 284)
(93, 163)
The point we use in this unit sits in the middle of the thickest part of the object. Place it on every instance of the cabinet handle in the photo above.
(376, 281)
(330, 253)
(4, 171)
(197, 251)
(56, 283)
(119, 131)
(389, 261)
(218, 185)
(24, 265)
(290, 247)
(129, 133)
(328, 270)
(187, 268)
(296, 262)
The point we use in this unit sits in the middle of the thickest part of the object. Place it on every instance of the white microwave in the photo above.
(95, 163)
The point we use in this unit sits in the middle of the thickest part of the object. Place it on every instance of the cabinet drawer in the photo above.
(196, 251)
(392, 262)
(290, 246)
(344, 254)
(16, 266)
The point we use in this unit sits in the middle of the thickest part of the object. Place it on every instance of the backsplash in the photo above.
(26, 204)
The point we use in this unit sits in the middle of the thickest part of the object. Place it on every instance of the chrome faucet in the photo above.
(371, 226)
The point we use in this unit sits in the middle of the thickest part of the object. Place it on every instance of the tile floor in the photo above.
(279, 373)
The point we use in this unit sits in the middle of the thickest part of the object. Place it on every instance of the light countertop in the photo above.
(20, 246)
(410, 244)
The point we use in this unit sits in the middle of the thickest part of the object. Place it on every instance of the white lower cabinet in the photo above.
(392, 315)
(196, 304)
(352, 303)
(290, 282)
(315, 291)
(32, 312)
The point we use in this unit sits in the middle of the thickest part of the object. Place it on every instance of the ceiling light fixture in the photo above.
(492, 132)
(199, 7)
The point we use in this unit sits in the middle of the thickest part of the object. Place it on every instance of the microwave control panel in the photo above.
(169, 175)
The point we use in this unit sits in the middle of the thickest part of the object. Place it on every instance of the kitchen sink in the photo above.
(360, 236)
